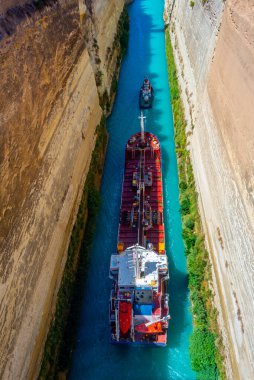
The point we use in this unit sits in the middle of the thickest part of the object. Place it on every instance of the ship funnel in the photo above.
(142, 124)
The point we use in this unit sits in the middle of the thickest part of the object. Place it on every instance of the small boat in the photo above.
(138, 306)
(146, 95)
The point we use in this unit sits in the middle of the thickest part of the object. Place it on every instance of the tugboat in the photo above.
(138, 307)
(146, 95)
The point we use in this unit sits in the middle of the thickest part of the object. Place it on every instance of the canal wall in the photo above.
(213, 48)
(57, 60)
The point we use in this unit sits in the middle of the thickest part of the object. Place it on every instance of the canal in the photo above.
(94, 357)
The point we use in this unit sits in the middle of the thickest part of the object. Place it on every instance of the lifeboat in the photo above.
(125, 311)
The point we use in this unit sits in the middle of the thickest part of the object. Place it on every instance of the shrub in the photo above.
(202, 350)
(98, 77)
(123, 30)
(185, 205)
(189, 223)
(114, 84)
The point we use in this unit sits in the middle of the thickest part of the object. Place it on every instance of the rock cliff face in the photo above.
(49, 110)
(214, 51)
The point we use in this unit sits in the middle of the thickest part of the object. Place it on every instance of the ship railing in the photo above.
(123, 299)
(132, 327)
(112, 299)
(117, 325)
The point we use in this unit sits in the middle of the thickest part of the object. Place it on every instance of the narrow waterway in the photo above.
(94, 357)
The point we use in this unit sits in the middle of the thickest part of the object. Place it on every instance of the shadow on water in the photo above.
(94, 357)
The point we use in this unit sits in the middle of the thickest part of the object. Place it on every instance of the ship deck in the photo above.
(141, 218)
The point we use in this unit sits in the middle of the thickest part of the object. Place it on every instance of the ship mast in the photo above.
(142, 124)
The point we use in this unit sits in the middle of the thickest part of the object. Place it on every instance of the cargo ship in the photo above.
(146, 95)
(138, 307)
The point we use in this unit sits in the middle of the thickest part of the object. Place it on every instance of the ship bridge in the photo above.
(138, 267)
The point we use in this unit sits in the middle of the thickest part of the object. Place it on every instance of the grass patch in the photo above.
(205, 342)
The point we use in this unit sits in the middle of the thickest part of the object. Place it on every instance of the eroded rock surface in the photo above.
(214, 51)
(49, 110)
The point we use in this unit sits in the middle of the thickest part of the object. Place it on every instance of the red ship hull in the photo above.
(142, 222)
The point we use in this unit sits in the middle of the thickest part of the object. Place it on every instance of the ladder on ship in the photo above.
(117, 324)
(132, 326)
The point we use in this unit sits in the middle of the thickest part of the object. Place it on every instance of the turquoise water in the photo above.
(94, 357)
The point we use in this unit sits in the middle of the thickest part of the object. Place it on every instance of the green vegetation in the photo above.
(105, 101)
(98, 77)
(121, 39)
(59, 340)
(40, 4)
(123, 29)
(114, 85)
(121, 44)
(192, 3)
(205, 343)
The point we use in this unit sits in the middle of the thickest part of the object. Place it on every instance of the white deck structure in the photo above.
(138, 267)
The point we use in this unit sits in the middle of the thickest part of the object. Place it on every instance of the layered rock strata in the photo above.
(50, 108)
(214, 52)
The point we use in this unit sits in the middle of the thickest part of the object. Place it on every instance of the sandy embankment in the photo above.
(215, 66)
